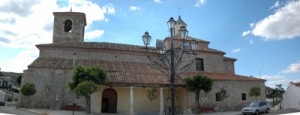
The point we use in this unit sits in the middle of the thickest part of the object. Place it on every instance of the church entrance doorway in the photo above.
(109, 101)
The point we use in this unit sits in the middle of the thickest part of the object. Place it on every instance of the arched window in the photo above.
(68, 25)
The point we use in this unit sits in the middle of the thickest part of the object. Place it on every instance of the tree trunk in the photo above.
(197, 109)
(273, 100)
(28, 101)
(88, 104)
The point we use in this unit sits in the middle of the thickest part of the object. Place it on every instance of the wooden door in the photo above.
(109, 101)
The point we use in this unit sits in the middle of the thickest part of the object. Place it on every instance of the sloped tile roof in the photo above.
(180, 21)
(119, 72)
(176, 37)
(296, 84)
(5, 78)
(224, 76)
(229, 58)
(137, 73)
(95, 45)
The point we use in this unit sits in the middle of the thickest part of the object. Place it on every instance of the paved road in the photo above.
(277, 112)
(11, 110)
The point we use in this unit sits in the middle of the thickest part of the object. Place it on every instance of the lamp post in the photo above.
(175, 58)
(171, 24)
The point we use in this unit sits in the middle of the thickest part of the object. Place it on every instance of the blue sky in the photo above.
(264, 35)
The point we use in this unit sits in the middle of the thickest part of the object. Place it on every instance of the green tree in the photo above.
(277, 94)
(279, 91)
(19, 79)
(85, 80)
(196, 84)
(28, 89)
(222, 95)
(255, 91)
(151, 93)
(85, 89)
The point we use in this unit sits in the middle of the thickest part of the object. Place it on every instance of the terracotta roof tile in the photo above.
(95, 45)
(296, 84)
(229, 58)
(176, 37)
(125, 73)
(119, 72)
(224, 76)
(6, 78)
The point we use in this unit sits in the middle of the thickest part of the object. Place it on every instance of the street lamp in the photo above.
(146, 38)
(168, 59)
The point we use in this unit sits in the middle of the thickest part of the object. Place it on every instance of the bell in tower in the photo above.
(68, 27)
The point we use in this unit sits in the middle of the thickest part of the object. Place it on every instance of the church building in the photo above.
(131, 76)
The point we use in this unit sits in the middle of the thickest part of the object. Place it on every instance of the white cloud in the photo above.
(293, 68)
(251, 41)
(94, 34)
(25, 23)
(269, 77)
(92, 10)
(134, 8)
(272, 81)
(109, 9)
(106, 20)
(245, 33)
(283, 24)
(236, 50)
(276, 5)
(20, 62)
(157, 1)
(251, 25)
(199, 3)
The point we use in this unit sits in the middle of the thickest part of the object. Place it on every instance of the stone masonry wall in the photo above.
(77, 32)
(212, 62)
(51, 89)
(234, 91)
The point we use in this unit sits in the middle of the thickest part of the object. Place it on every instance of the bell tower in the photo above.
(178, 24)
(68, 27)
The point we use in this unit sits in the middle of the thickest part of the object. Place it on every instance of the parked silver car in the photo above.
(256, 108)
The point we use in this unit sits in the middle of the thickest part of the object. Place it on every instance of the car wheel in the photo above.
(256, 112)
(268, 110)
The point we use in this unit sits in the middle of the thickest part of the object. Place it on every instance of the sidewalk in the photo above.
(54, 112)
(224, 113)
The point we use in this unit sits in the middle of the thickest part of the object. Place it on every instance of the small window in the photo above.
(199, 64)
(243, 96)
(218, 96)
(68, 26)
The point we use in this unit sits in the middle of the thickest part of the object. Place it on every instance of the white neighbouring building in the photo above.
(291, 97)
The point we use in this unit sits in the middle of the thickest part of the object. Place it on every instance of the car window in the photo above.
(265, 104)
(262, 104)
(253, 104)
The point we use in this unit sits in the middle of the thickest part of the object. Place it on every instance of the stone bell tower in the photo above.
(68, 27)
(178, 24)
